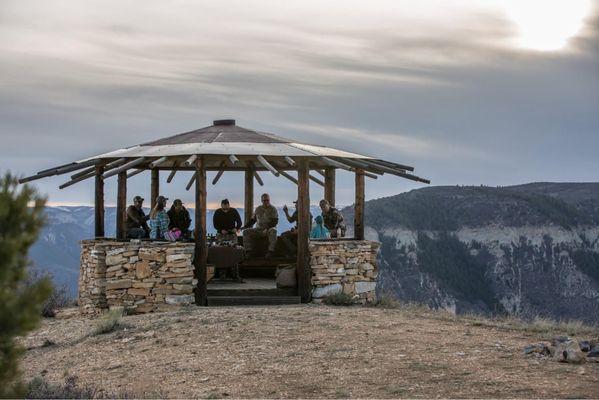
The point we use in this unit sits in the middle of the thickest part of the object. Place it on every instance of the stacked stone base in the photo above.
(344, 266)
(139, 276)
(155, 278)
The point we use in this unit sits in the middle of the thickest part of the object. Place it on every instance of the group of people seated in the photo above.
(174, 224)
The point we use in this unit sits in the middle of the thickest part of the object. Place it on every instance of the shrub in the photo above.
(387, 300)
(38, 388)
(109, 322)
(339, 299)
(58, 299)
(21, 218)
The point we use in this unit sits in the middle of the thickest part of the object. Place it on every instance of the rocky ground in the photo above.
(307, 351)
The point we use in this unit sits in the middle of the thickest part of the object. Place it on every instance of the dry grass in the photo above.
(310, 351)
(109, 322)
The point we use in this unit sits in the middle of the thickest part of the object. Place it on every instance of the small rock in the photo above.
(585, 346)
(594, 352)
(559, 339)
(569, 352)
(460, 353)
(539, 348)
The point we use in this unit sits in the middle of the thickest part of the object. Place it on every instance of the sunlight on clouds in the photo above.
(547, 25)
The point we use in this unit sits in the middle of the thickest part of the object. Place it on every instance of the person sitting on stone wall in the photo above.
(266, 218)
(227, 222)
(159, 220)
(179, 218)
(136, 224)
(333, 219)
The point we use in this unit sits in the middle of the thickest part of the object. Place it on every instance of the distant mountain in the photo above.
(57, 250)
(530, 250)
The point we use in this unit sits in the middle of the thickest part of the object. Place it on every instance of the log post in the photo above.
(154, 187)
(329, 185)
(99, 202)
(121, 204)
(304, 272)
(248, 204)
(359, 206)
(200, 253)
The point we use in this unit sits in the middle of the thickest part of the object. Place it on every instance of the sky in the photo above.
(468, 92)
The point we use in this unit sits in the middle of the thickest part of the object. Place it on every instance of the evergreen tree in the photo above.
(21, 218)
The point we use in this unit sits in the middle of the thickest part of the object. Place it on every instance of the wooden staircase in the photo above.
(252, 297)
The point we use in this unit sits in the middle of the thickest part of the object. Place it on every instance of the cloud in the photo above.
(438, 86)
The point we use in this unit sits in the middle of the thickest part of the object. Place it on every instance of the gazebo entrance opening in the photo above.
(140, 272)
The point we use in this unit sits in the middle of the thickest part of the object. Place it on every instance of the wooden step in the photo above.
(252, 300)
(252, 292)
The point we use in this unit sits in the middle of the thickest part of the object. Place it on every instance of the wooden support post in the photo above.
(99, 203)
(329, 185)
(121, 204)
(248, 204)
(154, 187)
(304, 272)
(359, 206)
(201, 250)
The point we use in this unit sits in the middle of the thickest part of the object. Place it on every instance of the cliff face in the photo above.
(529, 250)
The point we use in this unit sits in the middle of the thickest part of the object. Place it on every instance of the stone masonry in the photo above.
(159, 276)
(140, 276)
(347, 266)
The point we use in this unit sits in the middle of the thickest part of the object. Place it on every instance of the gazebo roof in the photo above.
(224, 137)
(225, 146)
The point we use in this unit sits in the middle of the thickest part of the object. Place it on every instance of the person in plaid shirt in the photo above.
(159, 219)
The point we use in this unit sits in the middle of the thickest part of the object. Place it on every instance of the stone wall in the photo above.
(347, 266)
(140, 276)
(159, 276)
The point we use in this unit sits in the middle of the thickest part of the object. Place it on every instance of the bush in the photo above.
(387, 300)
(109, 322)
(21, 218)
(339, 299)
(59, 298)
(38, 388)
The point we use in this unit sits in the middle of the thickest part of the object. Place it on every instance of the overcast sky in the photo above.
(468, 92)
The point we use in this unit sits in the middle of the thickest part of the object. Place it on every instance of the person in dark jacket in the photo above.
(227, 222)
(179, 218)
(137, 220)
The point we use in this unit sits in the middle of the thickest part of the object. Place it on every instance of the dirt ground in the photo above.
(305, 351)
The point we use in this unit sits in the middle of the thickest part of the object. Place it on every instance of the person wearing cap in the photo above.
(289, 238)
(227, 222)
(136, 224)
(266, 218)
(179, 218)
(159, 220)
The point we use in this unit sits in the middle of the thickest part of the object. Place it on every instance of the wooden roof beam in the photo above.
(267, 165)
(337, 164)
(124, 167)
(234, 160)
(133, 173)
(316, 180)
(290, 161)
(219, 173)
(157, 162)
(191, 160)
(286, 175)
(78, 179)
(173, 172)
(191, 181)
(60, 170)
(392, 164)
(398, 172)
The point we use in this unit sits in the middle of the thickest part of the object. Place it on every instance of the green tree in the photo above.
(21, 218)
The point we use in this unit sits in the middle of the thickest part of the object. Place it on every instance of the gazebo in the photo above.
(225, 146)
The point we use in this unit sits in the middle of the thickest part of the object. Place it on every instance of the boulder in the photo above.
(363, 287)
(569, 351)
(179, 299)
(327, 290)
